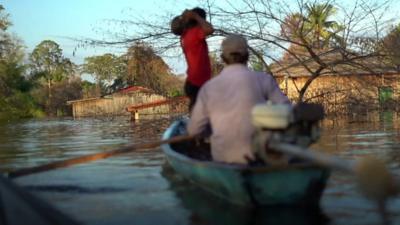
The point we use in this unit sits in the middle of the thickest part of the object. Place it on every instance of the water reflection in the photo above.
(35, 142)
(208, 209)
(378, 137)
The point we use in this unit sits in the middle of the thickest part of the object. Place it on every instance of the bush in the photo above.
(19, 105)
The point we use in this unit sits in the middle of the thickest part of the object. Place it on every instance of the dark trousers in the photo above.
(191, 92)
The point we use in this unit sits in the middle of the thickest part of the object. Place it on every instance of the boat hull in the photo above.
(300, 184)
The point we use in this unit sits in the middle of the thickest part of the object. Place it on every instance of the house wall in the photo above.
(342, 93)
(115, 105)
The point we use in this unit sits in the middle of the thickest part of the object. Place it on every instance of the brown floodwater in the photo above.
(140, 188)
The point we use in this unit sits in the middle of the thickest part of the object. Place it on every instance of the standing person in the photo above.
(226, 101)
(195, 48)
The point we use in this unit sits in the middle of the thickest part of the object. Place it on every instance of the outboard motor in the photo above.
(297, 125)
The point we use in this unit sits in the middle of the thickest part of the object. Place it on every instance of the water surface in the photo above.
(140, 188)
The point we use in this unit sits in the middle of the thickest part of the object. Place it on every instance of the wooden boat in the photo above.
(17, 206)
(210, 209)
(296, 184)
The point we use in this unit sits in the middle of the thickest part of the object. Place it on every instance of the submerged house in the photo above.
(359, 85)
(115, 104)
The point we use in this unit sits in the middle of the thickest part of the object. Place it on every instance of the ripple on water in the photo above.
(136, 188)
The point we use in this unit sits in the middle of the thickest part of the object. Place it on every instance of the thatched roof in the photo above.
(338, 63)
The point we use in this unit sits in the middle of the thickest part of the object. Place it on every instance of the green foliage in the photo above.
(117, 84)
(62, 92)
(15, 100)
(18, 105)
(47, 60)
(11, 78)
(176, 93)
(105, 67)
(319, 26)
(11, 49)
(314, 27)
(49, 67)
(256, 63)
(88, 89)
(4, 21)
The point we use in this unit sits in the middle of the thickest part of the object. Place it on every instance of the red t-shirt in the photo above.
(195, 48)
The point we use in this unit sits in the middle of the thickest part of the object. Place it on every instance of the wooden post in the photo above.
(73, 110)
(135, 115)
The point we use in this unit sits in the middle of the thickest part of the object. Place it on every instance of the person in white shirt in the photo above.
(225, 102)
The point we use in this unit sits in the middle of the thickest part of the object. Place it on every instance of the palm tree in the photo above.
(314, 27)
(319, 26)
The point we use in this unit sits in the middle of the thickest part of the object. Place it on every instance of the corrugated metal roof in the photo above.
(133, 89)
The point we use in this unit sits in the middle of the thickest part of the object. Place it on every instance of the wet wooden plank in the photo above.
(133, 108)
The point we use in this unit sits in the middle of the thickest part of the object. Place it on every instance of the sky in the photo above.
(38, 20)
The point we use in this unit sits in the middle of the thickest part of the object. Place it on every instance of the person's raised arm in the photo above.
(205, 26)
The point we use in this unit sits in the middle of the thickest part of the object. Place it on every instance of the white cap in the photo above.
(234, 43)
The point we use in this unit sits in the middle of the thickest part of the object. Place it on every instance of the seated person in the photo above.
(225, 102)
